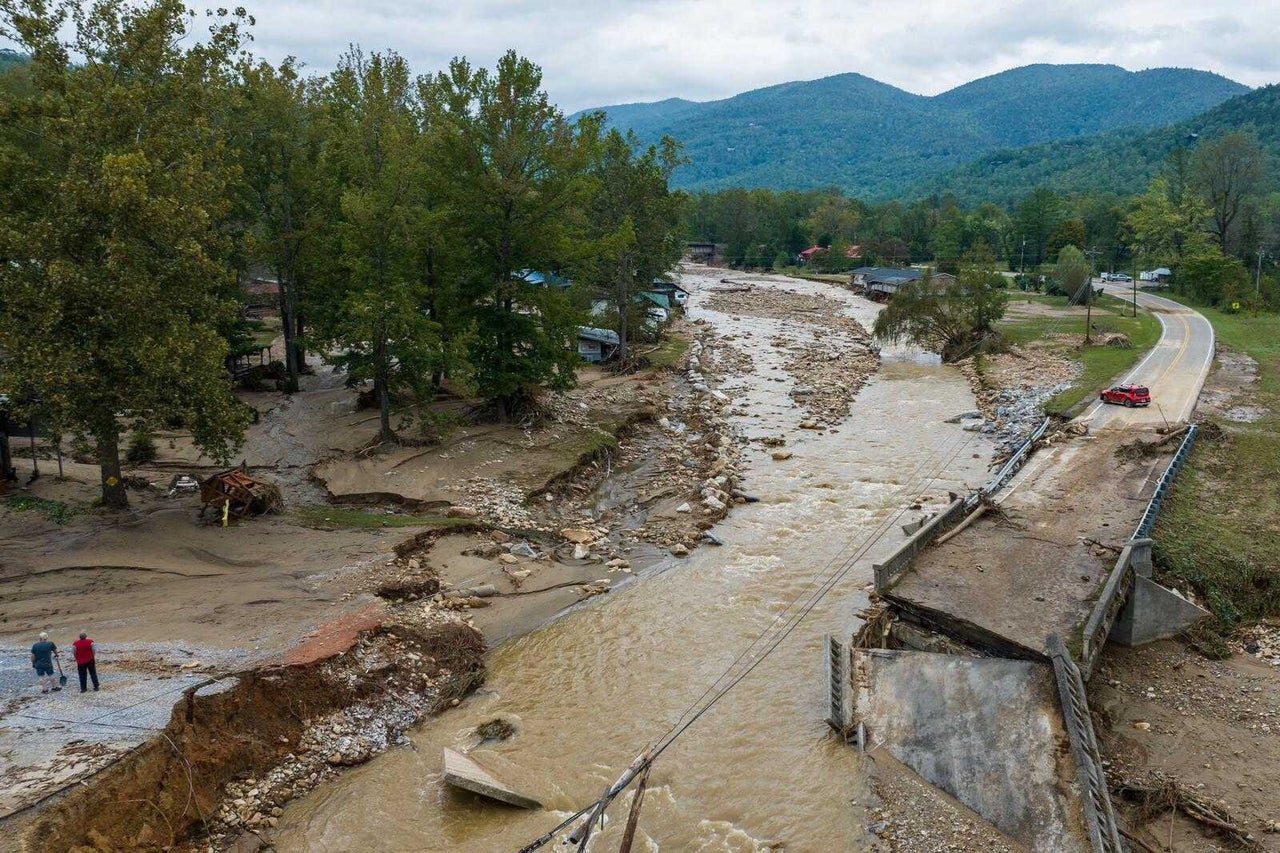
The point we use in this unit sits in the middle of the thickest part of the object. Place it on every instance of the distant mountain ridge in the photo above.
(874, 139)
(1121, 161)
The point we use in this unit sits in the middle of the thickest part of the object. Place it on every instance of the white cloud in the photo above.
(613, 51)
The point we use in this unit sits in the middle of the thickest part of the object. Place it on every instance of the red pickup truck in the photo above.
(1127, 395)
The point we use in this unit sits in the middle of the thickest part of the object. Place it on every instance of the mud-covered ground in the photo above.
(498, 527)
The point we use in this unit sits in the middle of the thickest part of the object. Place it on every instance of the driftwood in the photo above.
(1161, 794)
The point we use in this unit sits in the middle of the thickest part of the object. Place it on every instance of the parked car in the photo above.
(1127, 395)
(1119, 276)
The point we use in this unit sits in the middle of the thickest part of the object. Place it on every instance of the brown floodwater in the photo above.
(589, 691)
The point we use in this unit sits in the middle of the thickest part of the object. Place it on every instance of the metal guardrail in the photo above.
(1010, 467)
(1100, 818)
(1116, 590)
(1166, 482)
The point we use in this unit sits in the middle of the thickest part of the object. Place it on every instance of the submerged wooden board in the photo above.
(461, 772)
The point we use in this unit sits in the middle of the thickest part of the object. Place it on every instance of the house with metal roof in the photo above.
(597, 345)
(543, 279)
(879, 283)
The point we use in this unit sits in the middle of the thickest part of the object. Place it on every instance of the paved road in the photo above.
(1174, 370)
(1025, 587)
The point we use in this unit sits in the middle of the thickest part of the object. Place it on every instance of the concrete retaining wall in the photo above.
(888, 572)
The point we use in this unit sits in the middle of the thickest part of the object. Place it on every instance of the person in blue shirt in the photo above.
(42, 655)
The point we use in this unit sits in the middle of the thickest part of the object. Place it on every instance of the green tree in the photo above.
(635, 220)
(279, 147)
(1229, 171)
(957, 319)
(1165, 223)
(521, 177)
(117, 181)
(371, 293)
(1212, 278)
(1074, 274)
(1038, 217)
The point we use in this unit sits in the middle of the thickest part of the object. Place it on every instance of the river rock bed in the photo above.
(1012, 389)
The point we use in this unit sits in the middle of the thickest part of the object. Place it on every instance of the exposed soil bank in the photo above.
(295, 723)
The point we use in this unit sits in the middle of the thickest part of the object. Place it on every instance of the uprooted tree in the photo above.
(957, 318)
(116, 180)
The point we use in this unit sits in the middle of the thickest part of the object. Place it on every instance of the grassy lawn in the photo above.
(1219, 531)
(668, 351)
(353, 518)
(1101, 364)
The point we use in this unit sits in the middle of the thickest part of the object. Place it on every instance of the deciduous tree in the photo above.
(116, 182)
(634, 219)
(521, 178)
(957, 319)
(1228, 171)
(371, 295)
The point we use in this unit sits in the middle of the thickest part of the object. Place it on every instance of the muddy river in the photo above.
(761, 770)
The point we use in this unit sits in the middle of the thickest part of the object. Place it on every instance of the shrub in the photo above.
(142, 448)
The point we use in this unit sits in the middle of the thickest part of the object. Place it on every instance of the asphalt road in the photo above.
(1174, 370)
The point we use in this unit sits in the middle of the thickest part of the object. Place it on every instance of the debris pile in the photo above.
(240, 494)
(1012, 389)
(415, 682)
(1262, 641)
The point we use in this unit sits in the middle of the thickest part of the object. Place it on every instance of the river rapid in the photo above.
(760, 771)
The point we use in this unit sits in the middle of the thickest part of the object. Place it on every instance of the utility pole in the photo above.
(1257, 283)
(1092, 255)
(1022, 261)
(1135, 283)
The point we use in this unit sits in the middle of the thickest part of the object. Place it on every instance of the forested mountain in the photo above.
(874, 139)
(9, 58)
(1121, 162)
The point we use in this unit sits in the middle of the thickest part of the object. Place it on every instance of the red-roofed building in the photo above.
(807, 254)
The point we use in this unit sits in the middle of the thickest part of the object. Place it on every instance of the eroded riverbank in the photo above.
(587, 692)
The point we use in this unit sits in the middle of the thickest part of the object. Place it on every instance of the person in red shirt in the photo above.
(85, 663)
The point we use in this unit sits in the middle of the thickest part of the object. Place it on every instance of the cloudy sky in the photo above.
(619, 51)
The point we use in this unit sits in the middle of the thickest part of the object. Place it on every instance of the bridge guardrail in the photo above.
(1099, 816)
(1166, 482)
(1010, 467)
(887, 572)
(1116, 590)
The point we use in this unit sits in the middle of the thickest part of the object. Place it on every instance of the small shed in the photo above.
(674, 292)
(704, 253)
(597, 345)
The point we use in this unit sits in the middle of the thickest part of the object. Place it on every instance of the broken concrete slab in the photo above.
(463, 772)
(988, 731)
(912, 526)
(1153, 613)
